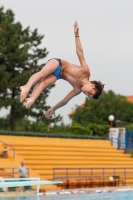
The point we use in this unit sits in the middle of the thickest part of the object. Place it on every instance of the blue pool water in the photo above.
(92, 196)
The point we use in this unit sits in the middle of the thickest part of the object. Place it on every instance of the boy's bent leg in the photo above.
(47, 70)
(38, 89)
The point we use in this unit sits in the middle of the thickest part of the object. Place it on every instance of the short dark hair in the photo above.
(99, 89)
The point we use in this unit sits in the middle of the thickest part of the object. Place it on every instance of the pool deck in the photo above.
(69, 191)
(91, 190)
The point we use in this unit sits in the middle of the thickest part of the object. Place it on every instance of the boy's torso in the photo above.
(74, 74)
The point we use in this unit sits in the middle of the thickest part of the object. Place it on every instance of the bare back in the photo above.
(74, 74)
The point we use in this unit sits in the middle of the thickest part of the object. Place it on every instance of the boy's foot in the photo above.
(29, 102)
(24, 93)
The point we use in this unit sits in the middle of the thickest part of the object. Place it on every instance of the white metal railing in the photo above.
(28, 179)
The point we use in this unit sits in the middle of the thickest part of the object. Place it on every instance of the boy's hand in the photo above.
(49, 113)
(76, 28)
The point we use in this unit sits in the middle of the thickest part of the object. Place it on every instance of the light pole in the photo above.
(111, 119)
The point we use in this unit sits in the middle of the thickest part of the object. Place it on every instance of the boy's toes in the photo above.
(26, 100)
(22, 98)
(27, 106)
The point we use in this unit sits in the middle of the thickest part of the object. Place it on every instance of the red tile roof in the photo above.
(129, 98)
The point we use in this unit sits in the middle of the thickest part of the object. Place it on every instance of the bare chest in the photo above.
(74, 75)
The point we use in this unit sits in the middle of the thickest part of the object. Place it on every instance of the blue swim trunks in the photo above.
(57, 71)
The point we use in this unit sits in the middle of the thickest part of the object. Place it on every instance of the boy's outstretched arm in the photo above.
(79, 49)
(62, 103)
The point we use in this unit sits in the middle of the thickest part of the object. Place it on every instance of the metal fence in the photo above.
(99, 174)
(55, 135)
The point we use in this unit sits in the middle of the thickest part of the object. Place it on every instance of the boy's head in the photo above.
(93, 88)
(98, 88)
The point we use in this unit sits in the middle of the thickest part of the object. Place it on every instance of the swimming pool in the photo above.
(92, 196)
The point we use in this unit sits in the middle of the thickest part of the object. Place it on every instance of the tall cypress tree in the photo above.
(20, 57)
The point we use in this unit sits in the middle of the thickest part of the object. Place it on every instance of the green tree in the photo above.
(4, 123)
(20, 57)
(98, 129)
(97, 111)
(129, 127)
(79, 130)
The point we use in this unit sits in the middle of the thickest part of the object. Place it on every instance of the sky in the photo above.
(106, 33)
